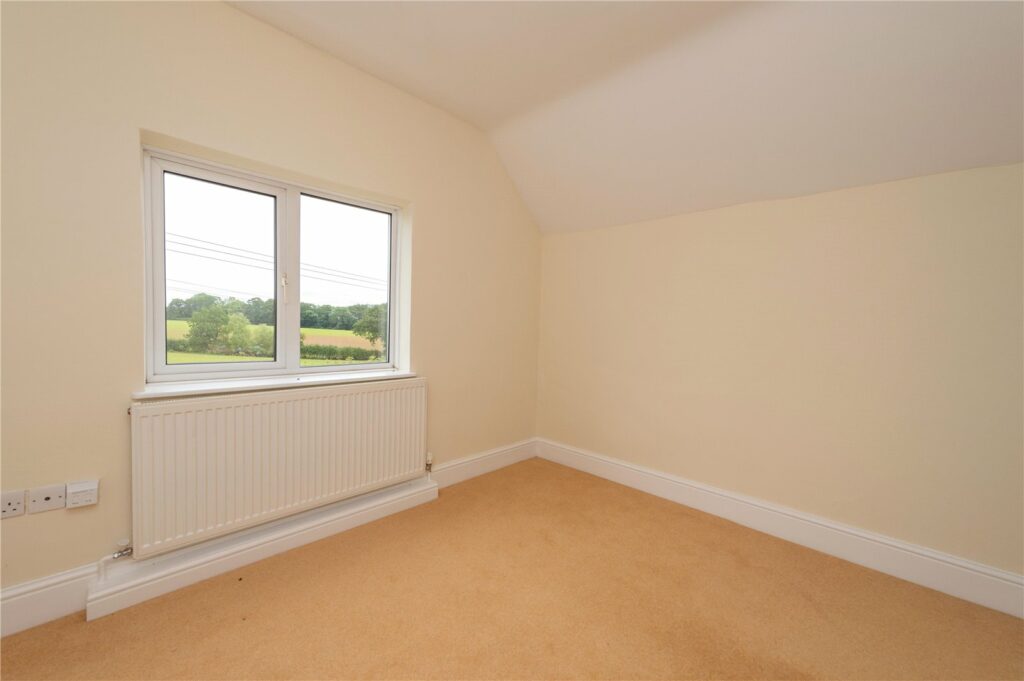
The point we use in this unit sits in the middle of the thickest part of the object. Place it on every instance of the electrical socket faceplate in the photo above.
(83, 493)
(45, 498)
(12, 503)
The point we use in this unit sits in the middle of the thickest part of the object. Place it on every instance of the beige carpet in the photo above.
(537, 572)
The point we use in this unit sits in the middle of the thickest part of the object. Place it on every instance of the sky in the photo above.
(220, 240)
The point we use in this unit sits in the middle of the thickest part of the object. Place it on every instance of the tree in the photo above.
(234, 305)
(357, 311)
(260, 311)
(178, 309)
(236, 336)
(341, 318)
(200, 301)
(263, 341)
(206, 327)
(323, 316)
(371, 325)
(308, 317)
(184, 309)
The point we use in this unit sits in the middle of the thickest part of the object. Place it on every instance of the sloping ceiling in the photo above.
(613, 112)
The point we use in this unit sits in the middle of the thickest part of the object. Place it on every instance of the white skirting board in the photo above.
(131, 581)
(468, 467)
(125, 583)
(32, 603)
(107, 586)
(981, 584)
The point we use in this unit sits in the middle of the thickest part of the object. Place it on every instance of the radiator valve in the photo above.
(121, 553)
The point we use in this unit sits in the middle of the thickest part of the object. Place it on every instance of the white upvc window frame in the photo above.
(287, 273)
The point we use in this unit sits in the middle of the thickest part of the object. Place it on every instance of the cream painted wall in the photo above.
(80, 83)
(855, 354)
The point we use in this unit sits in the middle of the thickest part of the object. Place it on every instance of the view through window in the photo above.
(220, 271)
(229, 296)
(346, 257)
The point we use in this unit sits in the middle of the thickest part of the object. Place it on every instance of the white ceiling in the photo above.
(613, 112)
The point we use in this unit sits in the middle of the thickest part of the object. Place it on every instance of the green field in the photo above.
(330, 332)
(178, 328)
(328, 362)
(200, 358)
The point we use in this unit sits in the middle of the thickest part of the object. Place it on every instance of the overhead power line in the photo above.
(339, 277)
(268, 258)
(202, 288)
(271, 269)
(214, 243)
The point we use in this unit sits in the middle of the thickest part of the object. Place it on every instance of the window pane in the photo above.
(345, 258)
(220, 270)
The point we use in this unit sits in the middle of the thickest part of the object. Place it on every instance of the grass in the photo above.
(201, 358)
(328, 332)
(178, 328)
(330, 362)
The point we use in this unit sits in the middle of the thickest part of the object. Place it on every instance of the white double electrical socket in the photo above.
(45, 498)
(12, 503)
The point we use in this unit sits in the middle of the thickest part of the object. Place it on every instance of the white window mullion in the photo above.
(291, 272)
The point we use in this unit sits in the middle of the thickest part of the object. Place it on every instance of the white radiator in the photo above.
(206, 466)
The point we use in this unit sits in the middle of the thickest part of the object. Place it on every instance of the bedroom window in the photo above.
(250, 276)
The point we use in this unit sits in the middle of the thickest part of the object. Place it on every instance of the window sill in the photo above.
(154, 391)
